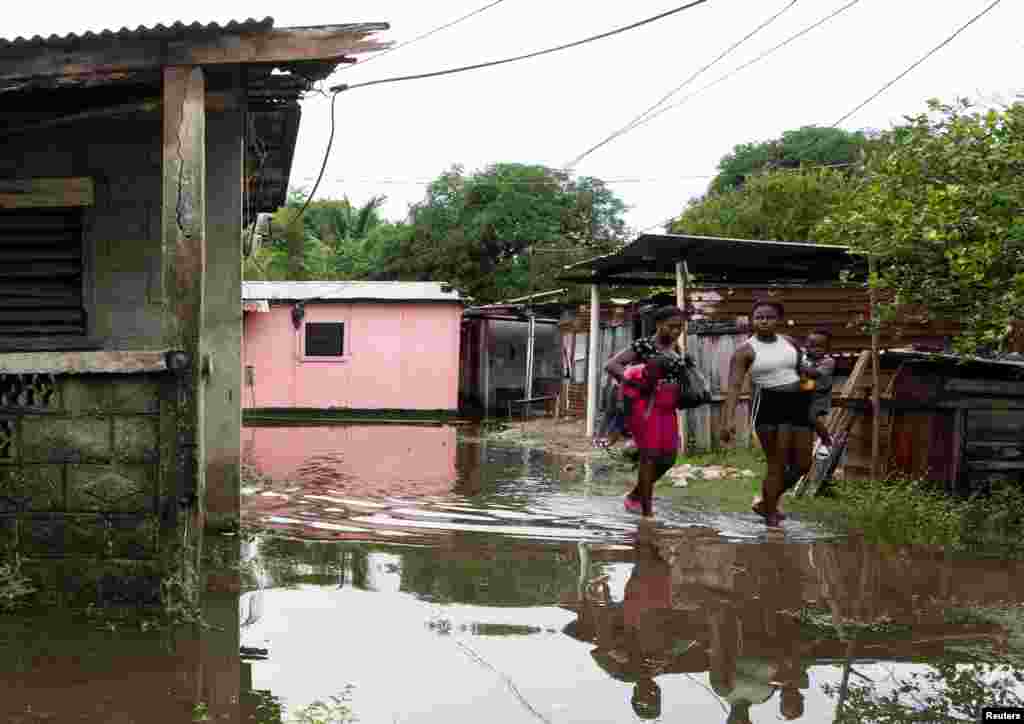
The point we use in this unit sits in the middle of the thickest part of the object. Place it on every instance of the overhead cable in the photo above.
(661, 101)
(475, 66)
(426, 34)
(746, 65)
(918, 62)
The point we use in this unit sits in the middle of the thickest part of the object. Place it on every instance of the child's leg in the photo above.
(822, 429)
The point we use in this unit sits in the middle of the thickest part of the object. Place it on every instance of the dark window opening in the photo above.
(325, 339)
(41, 274)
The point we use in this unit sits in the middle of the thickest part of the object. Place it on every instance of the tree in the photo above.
(476, 230)
(333, 240)
(808, 145)
(779, 206)
(940, 207)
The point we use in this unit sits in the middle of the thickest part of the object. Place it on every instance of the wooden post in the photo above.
(681, 279)
(183, 235)
(595, 326)
(876, 415)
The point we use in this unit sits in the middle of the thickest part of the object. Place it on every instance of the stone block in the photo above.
(87, 536)
(45, 577)
(62, 439)
(42, 536)
(128, 584)
(132, 536)
(31, 488)
(110, 582)
(135, 440)
(111, 488)
(139, 394)
(8, 537)
(86, 394)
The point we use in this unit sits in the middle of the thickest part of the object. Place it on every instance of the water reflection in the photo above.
(681, 622)
(468, 581)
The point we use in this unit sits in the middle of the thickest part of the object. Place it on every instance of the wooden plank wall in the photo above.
(841, 310)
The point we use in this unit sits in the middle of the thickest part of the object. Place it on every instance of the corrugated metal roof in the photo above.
(159, 31)
(350, 291)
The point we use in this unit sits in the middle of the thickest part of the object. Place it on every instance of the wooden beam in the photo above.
(34, 193)
(184, 267)
(284, 45)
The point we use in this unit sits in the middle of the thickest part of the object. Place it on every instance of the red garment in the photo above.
(657, 433)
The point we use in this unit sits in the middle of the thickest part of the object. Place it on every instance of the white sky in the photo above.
(549, 109)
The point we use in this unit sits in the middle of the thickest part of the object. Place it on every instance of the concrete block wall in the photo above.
(83, 483)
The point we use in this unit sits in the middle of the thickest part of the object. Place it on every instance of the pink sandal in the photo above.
(633, 505)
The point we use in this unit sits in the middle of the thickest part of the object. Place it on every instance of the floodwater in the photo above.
(401, 574)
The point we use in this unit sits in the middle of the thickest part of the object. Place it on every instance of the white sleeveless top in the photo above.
(774, 362)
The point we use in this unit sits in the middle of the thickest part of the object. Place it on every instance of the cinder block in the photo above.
(86, 536)
(8, 537)
(32, 488)
(45, 578)
(135, 440)
(62, 439)
(132, 536)
(136, 394)
(111, 488)
(86, 394)
(42, 536)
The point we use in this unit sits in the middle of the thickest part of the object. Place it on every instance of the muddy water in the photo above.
(418, 578)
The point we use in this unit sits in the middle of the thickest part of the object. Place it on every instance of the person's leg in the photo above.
(822, 429)
(774, 482)
(645, 483)
(773, 473)
(802, 441)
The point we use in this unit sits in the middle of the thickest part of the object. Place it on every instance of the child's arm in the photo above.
(825, 367)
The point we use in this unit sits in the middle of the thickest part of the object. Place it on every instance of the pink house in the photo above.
(354, 345)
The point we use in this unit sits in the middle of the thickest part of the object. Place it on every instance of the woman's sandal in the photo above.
(633, 505)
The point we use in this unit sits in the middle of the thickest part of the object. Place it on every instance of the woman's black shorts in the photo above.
(773, 408)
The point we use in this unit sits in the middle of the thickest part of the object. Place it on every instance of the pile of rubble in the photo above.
(682, 474)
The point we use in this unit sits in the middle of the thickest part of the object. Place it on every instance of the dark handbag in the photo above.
(695, 390)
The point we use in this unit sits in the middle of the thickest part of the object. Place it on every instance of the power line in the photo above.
(746, 65)
(918, 62)
(679, 87)
(516, 182)
(428, 33)
(344, 87)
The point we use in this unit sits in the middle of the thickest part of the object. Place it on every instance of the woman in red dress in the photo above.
(652, 419)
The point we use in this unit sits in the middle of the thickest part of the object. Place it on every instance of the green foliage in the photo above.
(15, 588)
(779, 206)
(947, 692)
(901, 510)
(940, 207)
(475, 230)
(809, 145)
(335, 710)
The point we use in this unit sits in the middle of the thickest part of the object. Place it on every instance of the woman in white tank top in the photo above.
(781, 414)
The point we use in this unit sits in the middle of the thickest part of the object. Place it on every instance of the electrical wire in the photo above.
(323, 166)
(918, 62)
(475, 66)
(428, 33)
(611, 137)
(746, 65)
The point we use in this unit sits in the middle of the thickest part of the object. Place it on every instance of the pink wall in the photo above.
(397, 355)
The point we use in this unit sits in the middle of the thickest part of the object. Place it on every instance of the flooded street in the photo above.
(402, 573)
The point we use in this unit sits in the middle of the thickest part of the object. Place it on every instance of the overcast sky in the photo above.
(394, 138)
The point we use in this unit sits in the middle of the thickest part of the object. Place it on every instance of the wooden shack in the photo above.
(951, 419)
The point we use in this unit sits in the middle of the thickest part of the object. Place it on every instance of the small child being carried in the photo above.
(820, 368)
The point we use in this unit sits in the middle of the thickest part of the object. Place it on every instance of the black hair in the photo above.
(663, 313)
(822, 333)
(768, 303)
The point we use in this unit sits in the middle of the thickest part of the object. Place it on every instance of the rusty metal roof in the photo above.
(159, 31)
(350, 291)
